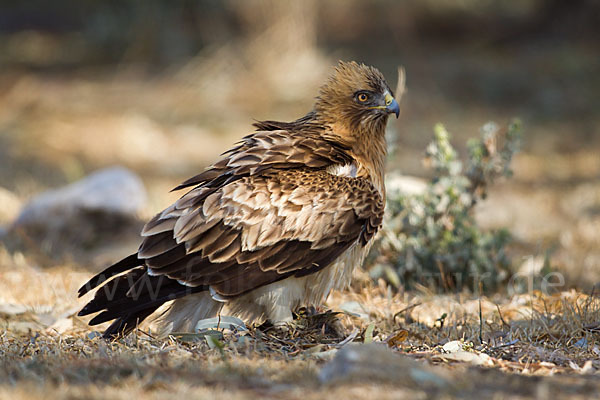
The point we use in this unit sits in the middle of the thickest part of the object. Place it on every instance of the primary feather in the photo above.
(279, 221)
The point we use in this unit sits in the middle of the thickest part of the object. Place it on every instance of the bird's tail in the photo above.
(128, 295)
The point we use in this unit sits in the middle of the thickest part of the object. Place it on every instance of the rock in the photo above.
(84, 214)
(377, 363)
(456, 351)
(9, 206)
(453, 346)
(111, 190)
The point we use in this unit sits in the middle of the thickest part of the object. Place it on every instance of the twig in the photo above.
(401, 86)
(501, 318)
(512, 342)
(405, 309)
(480, 316)
(350, 338)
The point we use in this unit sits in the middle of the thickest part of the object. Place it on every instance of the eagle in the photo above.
(279, 221)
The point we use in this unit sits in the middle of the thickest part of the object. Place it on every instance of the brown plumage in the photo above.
(279, 221)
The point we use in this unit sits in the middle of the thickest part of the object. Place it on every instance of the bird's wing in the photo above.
(260, 229)
(272, 150)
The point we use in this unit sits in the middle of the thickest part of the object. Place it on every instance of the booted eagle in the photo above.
(278, 222)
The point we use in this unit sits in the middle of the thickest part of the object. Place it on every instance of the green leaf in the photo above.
(195, 337)
(368, 337)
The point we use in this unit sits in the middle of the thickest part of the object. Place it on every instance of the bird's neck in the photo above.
(371, 158)
(368, 148)
(366, 145)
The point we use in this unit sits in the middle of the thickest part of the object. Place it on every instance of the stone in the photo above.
(377, 363)
(111, 190)
(9, 206)
(84, 214)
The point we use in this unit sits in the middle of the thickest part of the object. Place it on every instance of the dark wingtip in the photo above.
(88, 309)
(100, 318)
(115, 269)
(86, 288)
(194, 180)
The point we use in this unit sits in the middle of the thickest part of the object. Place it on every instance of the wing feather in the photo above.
(272, 149)
(280, 224)
(155, 245)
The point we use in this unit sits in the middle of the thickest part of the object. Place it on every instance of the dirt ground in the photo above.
(524, 346)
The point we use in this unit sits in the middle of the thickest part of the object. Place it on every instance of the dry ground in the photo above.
(529, 345)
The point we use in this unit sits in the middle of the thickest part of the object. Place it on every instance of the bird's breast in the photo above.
(336, 276)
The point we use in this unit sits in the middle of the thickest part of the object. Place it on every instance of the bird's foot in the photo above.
(307, 320)
(281, 328)
(327, 321)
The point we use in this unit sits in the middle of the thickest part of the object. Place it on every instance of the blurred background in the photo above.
(163, 87)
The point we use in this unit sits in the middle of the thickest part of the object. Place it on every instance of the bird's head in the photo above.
(356, 98)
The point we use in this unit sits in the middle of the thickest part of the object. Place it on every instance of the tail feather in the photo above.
(130, 305)
(122, 326)
(128, 295)
(125, 264)
(113, 293)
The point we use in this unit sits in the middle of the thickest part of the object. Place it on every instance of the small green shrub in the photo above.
(432, 238)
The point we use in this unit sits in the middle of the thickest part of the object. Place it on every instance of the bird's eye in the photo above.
(362, 97)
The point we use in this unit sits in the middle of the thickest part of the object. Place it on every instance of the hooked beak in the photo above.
(391, 105)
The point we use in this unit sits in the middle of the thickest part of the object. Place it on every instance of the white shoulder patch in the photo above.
(347, 170)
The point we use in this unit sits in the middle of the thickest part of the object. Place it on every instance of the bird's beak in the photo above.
(391, 105)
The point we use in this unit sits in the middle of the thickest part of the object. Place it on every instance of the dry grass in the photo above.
(46, 350)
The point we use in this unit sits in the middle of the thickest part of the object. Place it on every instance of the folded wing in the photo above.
(260, 229)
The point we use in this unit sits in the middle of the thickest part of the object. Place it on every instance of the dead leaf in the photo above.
(397, 338)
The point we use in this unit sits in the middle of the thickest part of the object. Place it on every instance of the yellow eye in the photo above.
(362, 97)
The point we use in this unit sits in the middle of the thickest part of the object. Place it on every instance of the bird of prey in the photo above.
(278, 222)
